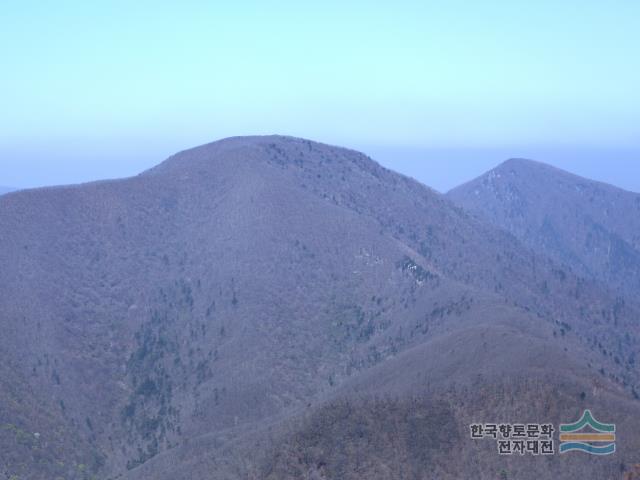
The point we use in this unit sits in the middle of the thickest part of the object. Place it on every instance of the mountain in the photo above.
(272, 307)
(591, 226)
(4, 190)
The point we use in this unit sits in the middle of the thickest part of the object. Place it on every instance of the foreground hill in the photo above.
(592, 226)
(232, 311)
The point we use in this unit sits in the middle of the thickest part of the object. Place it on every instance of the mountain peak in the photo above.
(279, 149)
(521, 165)
(520, 162)
(520, 171)
(588, 224)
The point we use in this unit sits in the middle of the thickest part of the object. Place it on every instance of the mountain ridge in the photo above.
(223, 298)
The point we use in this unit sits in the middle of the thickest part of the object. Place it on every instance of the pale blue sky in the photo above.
(106, 89)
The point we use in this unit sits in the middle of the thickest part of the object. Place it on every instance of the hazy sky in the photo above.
(441, 90)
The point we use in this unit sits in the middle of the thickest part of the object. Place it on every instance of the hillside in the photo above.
(210, 317)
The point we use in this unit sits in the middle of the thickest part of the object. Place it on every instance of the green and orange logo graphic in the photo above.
(599, 439)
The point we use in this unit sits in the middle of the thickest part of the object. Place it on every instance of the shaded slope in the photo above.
(408, 417)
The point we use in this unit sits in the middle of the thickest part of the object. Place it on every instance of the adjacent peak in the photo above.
(518, 171)
(518, 164)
